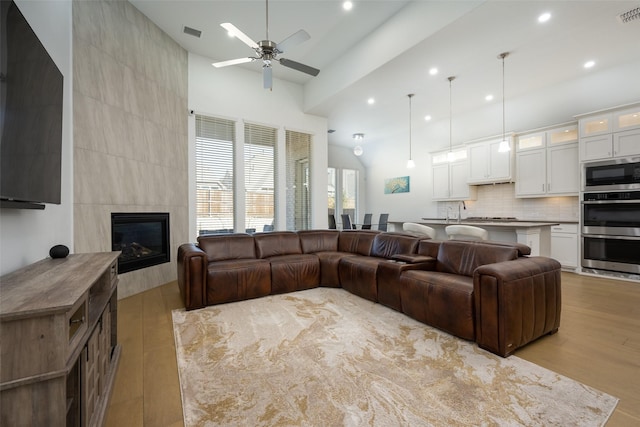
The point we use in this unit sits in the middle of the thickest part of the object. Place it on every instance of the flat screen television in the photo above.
(30, 116)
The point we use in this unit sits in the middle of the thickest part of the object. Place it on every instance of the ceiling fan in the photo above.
(268, 51)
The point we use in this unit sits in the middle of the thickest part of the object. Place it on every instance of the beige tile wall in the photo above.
(130, 129)
(499, 201)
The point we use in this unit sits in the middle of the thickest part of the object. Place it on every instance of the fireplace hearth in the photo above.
(143, 239)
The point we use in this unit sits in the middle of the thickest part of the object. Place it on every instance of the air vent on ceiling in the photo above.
(191, 31)
(331, 130)
(629, 15)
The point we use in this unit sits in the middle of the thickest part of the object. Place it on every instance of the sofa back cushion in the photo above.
(313, 241)
(357, 241)
(227, 246)
(429, 247)
(463, 257)
(277, 243)
(385, 245)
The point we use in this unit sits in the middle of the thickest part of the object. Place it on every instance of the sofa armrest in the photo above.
(192, 275)
(516, 302)
(413, 258)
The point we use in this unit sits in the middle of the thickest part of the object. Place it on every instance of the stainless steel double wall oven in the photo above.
(611, 216)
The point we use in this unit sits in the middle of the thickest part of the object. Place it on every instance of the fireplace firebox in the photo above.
(142, 237)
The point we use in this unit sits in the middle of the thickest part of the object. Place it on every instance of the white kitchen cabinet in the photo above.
(612, 135)
(531, 173)
(563, 170)
(547, 163)
(488, 165)
(564, 244)
(450, 177)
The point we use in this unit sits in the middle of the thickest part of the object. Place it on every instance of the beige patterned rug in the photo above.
(325, 357)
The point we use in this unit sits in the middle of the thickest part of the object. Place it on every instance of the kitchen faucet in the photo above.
(464, 206)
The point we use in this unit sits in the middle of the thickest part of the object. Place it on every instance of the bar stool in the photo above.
(466, 232)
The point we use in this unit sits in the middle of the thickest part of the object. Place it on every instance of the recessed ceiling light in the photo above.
(371, 101)
(347, 5)
(544, 17)
(589, 64)
(427, 117)
(488, 97)
(433, 71)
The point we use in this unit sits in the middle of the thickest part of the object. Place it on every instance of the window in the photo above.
(259, 175)
(349, 194)
(331, 190)
(298, 154)
(214, 174)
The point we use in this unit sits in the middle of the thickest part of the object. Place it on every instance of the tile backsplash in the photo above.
(499, 201)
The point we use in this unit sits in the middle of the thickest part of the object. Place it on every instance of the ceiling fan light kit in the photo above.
(268, 51)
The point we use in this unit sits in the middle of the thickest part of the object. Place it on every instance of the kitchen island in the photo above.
(535, 234)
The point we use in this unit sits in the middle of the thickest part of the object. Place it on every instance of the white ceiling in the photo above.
(384, 49)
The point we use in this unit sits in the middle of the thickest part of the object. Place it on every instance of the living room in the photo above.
(126, 114)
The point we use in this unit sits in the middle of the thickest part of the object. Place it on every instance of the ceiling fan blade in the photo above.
(232, 62)
(294, 39)
(267, 80)
(299, 67)
(234, 31)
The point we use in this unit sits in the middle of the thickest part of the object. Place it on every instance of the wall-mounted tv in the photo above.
(30, 116)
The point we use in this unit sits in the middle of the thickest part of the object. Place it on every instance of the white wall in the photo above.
(27, 235)
(237, 94)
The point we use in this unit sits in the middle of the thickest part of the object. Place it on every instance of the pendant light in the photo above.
(410, 163)
(504, 144)
(358, 150)
(450, 156)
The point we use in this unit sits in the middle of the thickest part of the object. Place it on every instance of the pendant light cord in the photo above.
(452, 78)
(503, 120)
(410, 96)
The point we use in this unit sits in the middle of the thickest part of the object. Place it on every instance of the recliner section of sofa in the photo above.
(488, 292)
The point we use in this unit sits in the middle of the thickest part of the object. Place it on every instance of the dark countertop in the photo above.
(487, 222)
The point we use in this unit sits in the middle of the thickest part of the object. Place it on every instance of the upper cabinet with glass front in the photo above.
(612, 134)
(547, 162)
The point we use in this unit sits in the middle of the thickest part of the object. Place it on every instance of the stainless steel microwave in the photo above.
(619, 174)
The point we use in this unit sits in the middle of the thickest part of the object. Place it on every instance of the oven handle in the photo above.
(609, 236)
(608, 202)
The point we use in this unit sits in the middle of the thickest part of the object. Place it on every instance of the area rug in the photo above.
(325, 357)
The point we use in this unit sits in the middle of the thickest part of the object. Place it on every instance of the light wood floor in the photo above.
(598, 344)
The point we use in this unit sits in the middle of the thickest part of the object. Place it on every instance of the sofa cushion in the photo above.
(385, 245)
(237, 280)
(294, 272)
(329, 262)
(313, 241)
(357, 241)
(442, 300)
(463, 257)
(277, 243)
(227, 246)
(358, 275)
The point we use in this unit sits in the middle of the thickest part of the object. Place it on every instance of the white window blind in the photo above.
(214, 174)
(259, 175)
(298, 156)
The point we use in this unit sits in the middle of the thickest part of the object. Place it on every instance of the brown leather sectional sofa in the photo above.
(488, 292)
